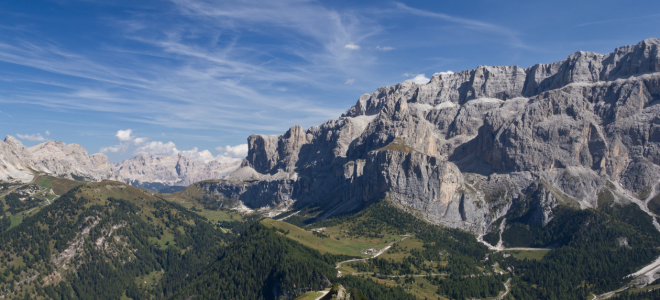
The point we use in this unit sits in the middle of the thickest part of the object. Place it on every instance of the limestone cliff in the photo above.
(470, 147)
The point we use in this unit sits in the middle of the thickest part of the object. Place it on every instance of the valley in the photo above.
(409, 254)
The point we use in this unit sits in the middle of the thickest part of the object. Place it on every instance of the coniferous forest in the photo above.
(91, 245)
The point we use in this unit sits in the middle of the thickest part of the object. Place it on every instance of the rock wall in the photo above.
(470, 147)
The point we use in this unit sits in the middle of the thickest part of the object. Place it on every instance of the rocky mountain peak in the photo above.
(467, 147)
(10, 140)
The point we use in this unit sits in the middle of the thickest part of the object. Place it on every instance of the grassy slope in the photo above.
(371, 218)
(45, 184)
(336, 243)
(190, 198)
(97, 196)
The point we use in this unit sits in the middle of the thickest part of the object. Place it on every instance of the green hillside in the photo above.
(104, 241)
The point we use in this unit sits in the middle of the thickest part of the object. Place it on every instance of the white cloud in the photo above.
(125, 138)
(350, 81)
(385, 48)
(140, 140)
(418, 79)
(204, 155)
(238, 151)
(157, 148)
(47, 132)
(124, 135)
(114, 149)
(352, 46)
(449, 72)
(31, 137)
(229, 154)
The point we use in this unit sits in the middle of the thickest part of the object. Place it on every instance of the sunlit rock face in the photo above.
(466, 148)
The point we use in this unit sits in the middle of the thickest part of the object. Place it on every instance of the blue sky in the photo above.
(190, 75)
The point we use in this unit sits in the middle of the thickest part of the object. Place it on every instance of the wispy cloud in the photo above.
(199, 67)
(37, 137)
(419, 78)
(618, 20)
(511, 35)
(213, 84)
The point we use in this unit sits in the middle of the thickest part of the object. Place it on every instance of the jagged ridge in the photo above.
(481, 141)
(19, 163)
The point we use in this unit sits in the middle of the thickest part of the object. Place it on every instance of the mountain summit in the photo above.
(471, 147)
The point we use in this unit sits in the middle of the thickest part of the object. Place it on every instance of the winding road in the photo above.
(500, 246)
(374, 256)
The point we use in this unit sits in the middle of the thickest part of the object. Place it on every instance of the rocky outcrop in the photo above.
(470, 147)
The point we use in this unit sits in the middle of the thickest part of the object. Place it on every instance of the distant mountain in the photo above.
(160, 172)
(168, 173)
(19, 163)
(470, 148)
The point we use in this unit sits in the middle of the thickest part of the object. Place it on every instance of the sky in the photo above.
(197, 77)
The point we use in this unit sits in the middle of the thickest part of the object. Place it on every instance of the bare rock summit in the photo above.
(469, 148)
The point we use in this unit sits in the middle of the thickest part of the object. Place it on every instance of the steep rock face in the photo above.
(473, 146)
(168, 170)
(423, 183)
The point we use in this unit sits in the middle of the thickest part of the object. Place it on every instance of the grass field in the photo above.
(337, 243)
(164, 240)
(310, 295)
(149, 280)
(421, 288)
(188, 199)
(528, 254)
(58, 185)
(16, 219)
(407, 244)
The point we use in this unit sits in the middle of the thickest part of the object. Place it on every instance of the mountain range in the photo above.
(469, 148)
(21, 164)
(491, 183)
